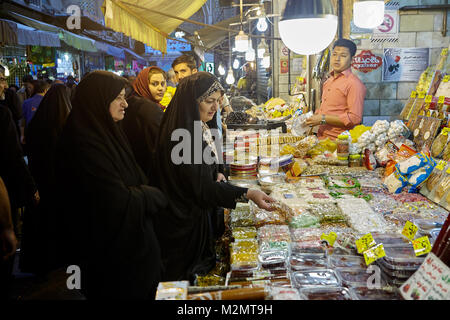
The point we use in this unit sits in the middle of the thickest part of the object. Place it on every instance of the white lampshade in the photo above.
(221, 70)
(241, 42)
(236, 64)
(262, 48)
(308, 26)
(368, 14)
(230, 77)
(262, 24)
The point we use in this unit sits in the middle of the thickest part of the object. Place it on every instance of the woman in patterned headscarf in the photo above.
(191, 181)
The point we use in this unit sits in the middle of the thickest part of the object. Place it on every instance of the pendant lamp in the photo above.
(241, 42)
(262, 48)
(368, 14)
(308, 26)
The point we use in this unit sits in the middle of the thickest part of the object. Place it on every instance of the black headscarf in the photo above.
(107, 206)
(185, 231)
(42, 134)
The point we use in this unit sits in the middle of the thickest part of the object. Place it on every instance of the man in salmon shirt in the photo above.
(342, 95)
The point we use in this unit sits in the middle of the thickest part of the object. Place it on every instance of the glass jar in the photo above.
(342, 161)
(342, 146)
(354, 160)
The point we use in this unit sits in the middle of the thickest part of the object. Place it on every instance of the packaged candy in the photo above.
(440, 143)
(411, 164)
(441, 187)
(420, 176)
(328, 293)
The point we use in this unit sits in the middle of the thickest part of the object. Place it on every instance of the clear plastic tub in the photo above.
(354, 277)
(390, 239)
(402, 257)
(298, 261)
(328, 293)
(315, 277)
(346, 261)
(395, 273)
(273, 259)
(390, 293)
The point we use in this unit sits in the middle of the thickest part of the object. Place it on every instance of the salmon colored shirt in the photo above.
(342, 96)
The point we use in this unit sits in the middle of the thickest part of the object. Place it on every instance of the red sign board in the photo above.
(366, 61)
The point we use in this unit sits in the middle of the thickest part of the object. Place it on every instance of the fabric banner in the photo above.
(405, 64)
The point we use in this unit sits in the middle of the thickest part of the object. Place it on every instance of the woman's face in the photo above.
(157, 86)
(118, 106)
(209, 106)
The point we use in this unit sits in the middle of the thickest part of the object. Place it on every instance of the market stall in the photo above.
(359, 218)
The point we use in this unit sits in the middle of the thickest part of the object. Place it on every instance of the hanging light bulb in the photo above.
(368, 14)
(250, 55)
(262, 48)
(221, 70)
(241, 42)
(230, 77)
(262, 24)
(6, 71)
(236, 64)
(308, 26)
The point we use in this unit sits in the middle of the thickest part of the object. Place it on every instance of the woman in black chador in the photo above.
(38, 250)
(191, 180)
(107, 206)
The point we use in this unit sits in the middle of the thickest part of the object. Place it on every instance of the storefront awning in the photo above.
(138, 20)
(212, 37)
(72, 39)
(110, 50)
(140, 59)
(29, 36)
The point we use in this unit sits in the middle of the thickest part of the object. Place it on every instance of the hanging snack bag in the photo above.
(435, 176)
(440, 142)
(407, 109)
(441, 188)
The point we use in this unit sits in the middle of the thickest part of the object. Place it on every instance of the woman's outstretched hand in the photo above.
(261, 199)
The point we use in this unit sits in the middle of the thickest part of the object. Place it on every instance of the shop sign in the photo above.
(405, 64)
(366, 62)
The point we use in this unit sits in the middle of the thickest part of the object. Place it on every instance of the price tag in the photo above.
(373, 254)
(441, 165)
(413, 94)
(364, 243)
(421, 95)
(428, 99)
(441, 99)
(446, 78)
(445, 131)
(409, 230)
(329, 238)
(421, 246)
(448, 170)
(444, 52)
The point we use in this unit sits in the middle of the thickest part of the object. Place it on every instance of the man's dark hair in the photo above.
(27, 78)
(347, 44)
(185, 58)
(40, 86)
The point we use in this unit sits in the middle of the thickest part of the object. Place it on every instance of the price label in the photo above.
(444, 52)
(441, 165)
(421, 95)
(373, 254)
(445, 131)
(365, 242)
(441, 99)
(329, 238)
(409, 230)
(421, 246)
(428, 99)
(446, 78)
(413, 94)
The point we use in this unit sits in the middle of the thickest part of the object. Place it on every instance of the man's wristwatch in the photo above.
(324, 121)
